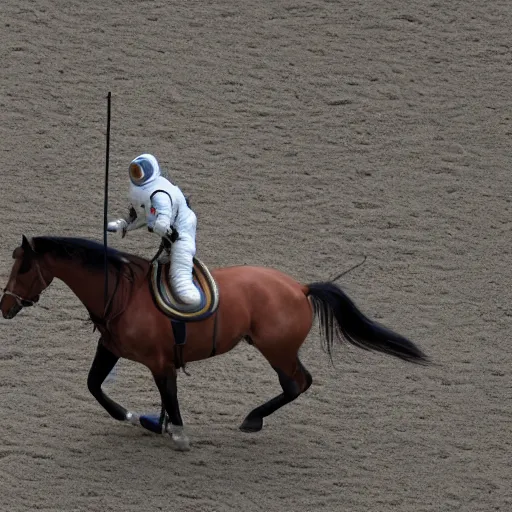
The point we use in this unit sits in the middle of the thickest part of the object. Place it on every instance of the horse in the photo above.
(263, 306)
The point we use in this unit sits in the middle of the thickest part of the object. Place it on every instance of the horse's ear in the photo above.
(25, 245)
(28, 255)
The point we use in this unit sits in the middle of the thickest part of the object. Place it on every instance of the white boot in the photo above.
(182, 253)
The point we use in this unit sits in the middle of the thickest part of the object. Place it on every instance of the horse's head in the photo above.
(26, 281)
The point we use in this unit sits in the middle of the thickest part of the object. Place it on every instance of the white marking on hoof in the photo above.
(180, 440)
(132, 418)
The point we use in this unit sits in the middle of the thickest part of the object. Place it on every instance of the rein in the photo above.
(110, 300)
(108, 313)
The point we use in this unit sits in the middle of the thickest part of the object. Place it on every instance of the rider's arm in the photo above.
(134, 221)
(162, 203)
(129, 223)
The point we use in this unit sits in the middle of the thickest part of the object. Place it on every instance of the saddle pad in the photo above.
(171, 306)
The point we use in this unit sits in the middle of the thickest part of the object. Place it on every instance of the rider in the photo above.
(160, 205)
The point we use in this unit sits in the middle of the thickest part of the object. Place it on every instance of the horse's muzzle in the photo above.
(17, 306)
(15, 309)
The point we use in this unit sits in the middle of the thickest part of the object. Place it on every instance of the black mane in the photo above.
(89, 252)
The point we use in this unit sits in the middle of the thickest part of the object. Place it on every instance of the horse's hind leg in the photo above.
(294, 380)
(104, 362)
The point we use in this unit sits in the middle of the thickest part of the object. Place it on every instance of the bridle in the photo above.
(22, 302)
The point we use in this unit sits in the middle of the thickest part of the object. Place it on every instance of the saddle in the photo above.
(170, 305)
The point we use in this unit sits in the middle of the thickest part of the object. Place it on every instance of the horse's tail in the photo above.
(340, 319)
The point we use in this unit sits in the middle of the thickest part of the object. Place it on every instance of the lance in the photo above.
(105, 201)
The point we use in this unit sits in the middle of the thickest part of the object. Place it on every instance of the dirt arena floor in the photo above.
(309, 134)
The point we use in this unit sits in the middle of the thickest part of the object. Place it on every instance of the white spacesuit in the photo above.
(162, 207)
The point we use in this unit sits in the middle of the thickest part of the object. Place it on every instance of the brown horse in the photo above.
(265, 307)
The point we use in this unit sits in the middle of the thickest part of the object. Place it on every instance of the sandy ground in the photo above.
(309, 134)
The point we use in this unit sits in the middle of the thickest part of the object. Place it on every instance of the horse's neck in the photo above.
(87, 285)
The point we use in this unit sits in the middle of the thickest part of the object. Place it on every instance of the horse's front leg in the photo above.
(168, 387)
(104, 362)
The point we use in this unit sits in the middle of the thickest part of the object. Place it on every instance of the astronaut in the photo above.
(162, 207)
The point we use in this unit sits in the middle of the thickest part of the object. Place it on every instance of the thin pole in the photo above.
(105, 202)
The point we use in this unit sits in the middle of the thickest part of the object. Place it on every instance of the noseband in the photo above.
(22, 302)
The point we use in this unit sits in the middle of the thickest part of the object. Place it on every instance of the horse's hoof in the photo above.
(251, 425)
(180, 441)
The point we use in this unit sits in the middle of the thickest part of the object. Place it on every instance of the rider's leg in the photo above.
(182, 254)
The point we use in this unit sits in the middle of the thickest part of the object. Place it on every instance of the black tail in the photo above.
(340, 318)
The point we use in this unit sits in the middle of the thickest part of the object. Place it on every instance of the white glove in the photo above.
(161, 226)
(117, 225)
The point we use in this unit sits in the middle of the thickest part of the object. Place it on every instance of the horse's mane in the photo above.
(128, 268)
(88, 252)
